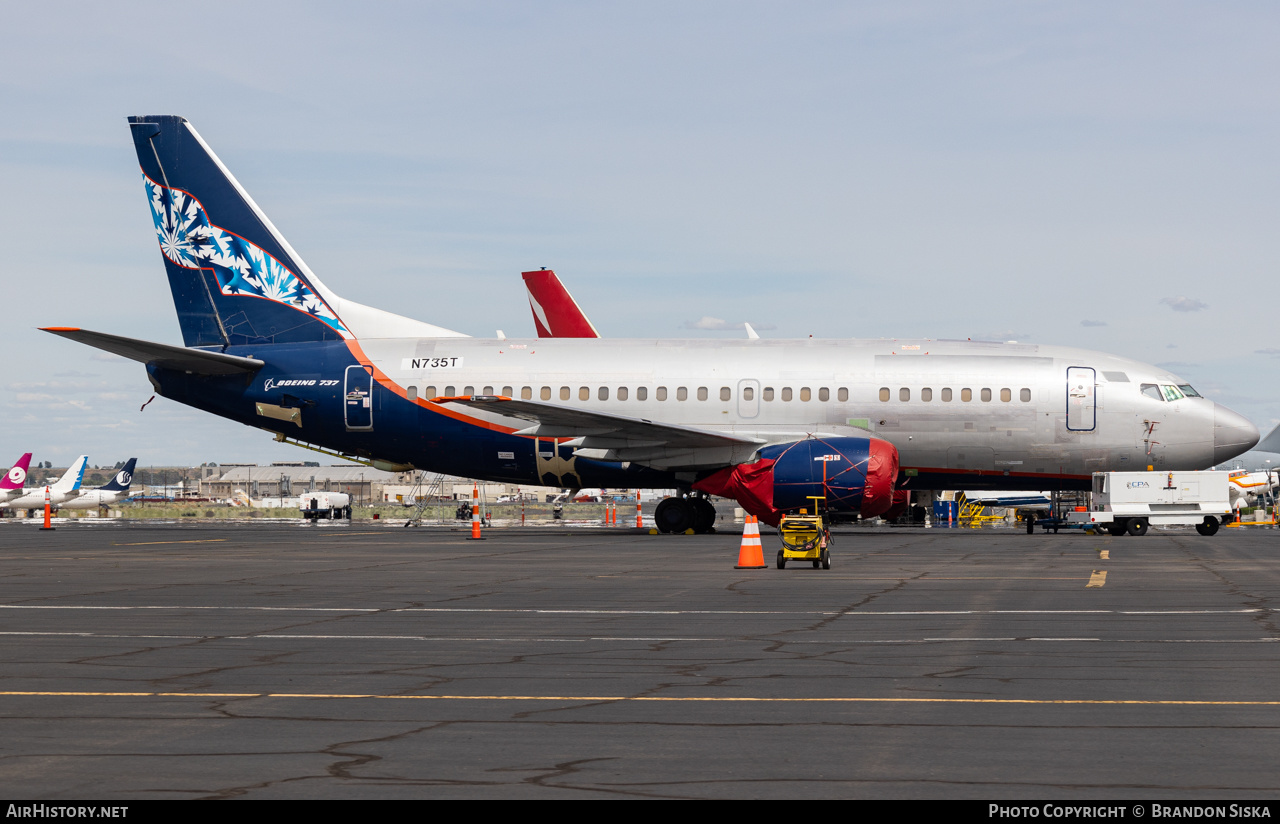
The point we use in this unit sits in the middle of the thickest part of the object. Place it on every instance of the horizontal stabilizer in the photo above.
(197, 361)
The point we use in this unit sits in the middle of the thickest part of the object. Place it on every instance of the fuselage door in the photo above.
(1082, 410)
(748, 398)
(358, 398)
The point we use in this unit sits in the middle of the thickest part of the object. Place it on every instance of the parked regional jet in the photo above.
(11, 486)
(61, 491)
(766, 422)
(107, 494)
(555, 313)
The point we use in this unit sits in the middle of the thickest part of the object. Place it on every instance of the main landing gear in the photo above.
(683, 514)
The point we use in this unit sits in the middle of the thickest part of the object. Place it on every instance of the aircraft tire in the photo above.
(1137, 527)
(1209, 527)
(673, 515)
(704, 515)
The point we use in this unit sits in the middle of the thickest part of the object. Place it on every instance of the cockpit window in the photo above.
(1171, 393)
(1188, 391)
(1152, 391)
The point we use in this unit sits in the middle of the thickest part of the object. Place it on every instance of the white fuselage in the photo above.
(947, 405)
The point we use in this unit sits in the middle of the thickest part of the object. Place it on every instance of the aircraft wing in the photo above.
(198, 361)
(602, 436)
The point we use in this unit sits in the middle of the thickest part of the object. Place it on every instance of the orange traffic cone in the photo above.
(751, 554)
(475, 513)
(47, 521)
(639, 517)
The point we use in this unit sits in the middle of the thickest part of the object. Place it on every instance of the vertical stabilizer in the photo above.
(235, 279)
(122, 479)
(555, 313)
(17, 475)
(70, 480)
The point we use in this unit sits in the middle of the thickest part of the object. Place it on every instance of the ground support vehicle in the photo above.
(1128, 503)
(804, 538)
(334, 505)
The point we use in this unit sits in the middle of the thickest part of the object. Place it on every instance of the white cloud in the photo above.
(708, 323)
(1093, 323)
(1184, 304)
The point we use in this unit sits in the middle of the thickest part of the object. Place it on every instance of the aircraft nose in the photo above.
(1233, 434)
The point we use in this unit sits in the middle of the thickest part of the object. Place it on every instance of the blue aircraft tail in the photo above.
(235, 280)
(123, 478)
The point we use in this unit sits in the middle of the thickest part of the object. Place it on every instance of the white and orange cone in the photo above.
(751, 553)
(47, 515)
(475, 513)
(639, 517)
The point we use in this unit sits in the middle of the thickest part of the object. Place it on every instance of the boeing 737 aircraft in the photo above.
(766, 422)
(11, 486)
(109, 493)
(61, 491)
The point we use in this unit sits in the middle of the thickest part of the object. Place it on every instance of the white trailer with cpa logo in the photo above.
(1130, 502)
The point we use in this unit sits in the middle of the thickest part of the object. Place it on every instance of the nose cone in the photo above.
(1233, 434)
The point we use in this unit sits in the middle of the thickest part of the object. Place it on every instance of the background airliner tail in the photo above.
(17, 474)
(234, 278)
(555, 313)
(122, 479)
(70, 480)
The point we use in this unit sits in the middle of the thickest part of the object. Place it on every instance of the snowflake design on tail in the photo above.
(242, 268)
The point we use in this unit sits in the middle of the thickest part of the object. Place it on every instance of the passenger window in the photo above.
(767, 394)
(564, 393)
(526, 393)
(748, 393)
(926, 394)
(1024, 395)
(508, 392)
(584, 393)
(884, 394)
(986, 395)
(468, 391)
(702, 393)
(1152, 391)
(824, 394)
(966, 395)
(725, 394)
(450, 391)
(1171, 393)
(622, 393)
(642, 393)
(603, 393)
(488, 390)
(786, 393)
(842, 395)
(946, 395)
(411, 392)
(429, 392)
(805, 394)
(682, 394)
(1006, 395)
(545, 393)
(660, 393)
(904, 394)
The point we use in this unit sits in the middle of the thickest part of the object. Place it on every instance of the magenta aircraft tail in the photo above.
(18, 474)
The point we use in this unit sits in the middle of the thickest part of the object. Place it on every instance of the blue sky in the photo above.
(1100, 175)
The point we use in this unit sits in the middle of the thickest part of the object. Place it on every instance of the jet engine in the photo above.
(854, 475)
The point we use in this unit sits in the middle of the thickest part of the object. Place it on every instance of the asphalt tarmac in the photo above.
(367, 661)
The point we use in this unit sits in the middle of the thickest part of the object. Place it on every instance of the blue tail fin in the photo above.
(122, 478)
(234, 278)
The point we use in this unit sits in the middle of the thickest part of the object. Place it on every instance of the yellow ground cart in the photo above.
(805, 538)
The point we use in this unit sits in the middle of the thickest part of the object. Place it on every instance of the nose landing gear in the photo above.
(683, 514)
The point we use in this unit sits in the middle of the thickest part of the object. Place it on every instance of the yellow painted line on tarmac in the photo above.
(1104, 554)
(1097, 579)
(641, 698)
(153, 543)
